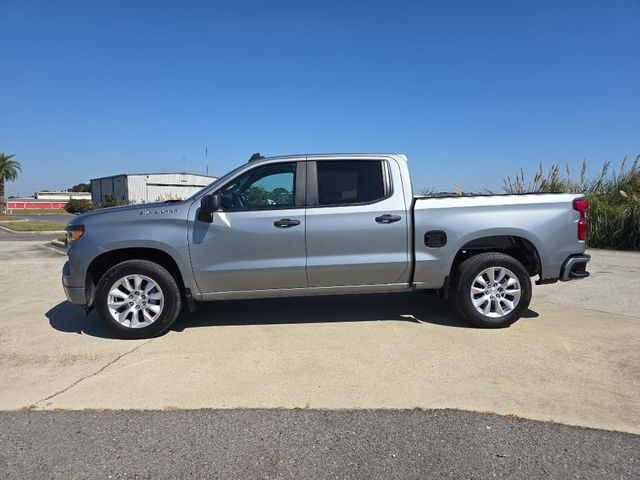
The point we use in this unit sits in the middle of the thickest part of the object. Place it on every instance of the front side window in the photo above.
(267, 187)
(350, 181)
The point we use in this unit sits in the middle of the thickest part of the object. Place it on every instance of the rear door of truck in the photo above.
(356, 220)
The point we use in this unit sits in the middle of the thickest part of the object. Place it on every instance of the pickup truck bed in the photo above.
(543, 224)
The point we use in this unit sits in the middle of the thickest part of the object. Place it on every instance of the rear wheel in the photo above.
(491, 290)
(138, 299)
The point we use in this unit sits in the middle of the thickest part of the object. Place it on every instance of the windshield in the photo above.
(216, 181)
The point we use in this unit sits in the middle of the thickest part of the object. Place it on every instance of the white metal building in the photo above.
(61, 196)
(148, 187)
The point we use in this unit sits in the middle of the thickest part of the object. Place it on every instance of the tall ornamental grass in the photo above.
(614, 200)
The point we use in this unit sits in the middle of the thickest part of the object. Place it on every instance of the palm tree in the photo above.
(9, 170)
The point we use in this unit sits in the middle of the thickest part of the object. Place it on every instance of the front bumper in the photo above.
(74, 294)
(575, 268)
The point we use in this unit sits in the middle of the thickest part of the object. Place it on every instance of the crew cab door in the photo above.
(257, 239)
(357, 230)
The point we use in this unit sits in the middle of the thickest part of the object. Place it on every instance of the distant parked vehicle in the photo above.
(318, 225)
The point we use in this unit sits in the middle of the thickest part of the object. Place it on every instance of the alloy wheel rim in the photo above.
(135, 301)
(495, 292)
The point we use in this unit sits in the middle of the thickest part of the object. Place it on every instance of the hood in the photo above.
(145, 210)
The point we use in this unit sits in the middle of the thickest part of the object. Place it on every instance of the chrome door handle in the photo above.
(387, 218)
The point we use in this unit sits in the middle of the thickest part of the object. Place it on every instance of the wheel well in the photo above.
(104, 262)
(519, 248)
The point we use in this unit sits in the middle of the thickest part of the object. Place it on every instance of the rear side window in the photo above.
(346, 182)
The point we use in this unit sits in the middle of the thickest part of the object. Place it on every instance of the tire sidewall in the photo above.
(471, 268)
(159, 275)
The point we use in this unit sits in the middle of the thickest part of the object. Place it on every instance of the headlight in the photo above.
(74, 232)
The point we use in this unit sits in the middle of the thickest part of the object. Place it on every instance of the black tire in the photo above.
(465, 276)
(160, 275)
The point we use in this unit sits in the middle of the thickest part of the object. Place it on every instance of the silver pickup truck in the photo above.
(321, 225)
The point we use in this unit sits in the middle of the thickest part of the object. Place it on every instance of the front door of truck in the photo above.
(357, 231)
(257, 239)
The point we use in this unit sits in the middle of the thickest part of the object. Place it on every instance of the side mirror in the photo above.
(208, 205)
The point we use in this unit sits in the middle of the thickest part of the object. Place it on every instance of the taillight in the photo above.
(581, 205)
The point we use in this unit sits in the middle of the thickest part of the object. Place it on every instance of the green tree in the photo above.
(9, 171)
(256, 197)
(81, 187)
(281, 196)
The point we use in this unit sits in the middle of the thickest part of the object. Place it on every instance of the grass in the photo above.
(614, 200)
(32, 226)
(41, 211)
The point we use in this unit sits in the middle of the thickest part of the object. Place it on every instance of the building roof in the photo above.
(52, 192)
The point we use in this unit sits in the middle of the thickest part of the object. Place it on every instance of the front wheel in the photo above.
(491, 290)
(138, 299)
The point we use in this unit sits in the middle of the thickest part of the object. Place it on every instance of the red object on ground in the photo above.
(25, 205)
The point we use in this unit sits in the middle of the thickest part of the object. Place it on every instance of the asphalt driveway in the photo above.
(316, 444)
(62, 219)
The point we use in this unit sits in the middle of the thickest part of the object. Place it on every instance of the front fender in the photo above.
(109, 233)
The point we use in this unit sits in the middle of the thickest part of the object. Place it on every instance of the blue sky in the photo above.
(471, 91)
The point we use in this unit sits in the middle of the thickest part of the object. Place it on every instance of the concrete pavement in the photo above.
(573, 360)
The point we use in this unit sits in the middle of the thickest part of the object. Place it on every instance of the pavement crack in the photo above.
(97, 372)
